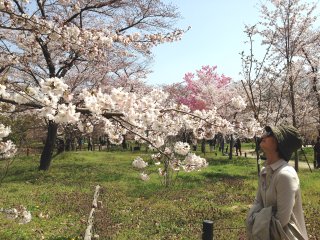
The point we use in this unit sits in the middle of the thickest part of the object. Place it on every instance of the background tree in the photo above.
(206, 89)
(286, 28)
(311, 54)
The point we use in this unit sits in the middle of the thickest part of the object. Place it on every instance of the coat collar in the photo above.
(274, 166)
(278, 164)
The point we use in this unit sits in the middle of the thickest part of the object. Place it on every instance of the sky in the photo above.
(216, 38)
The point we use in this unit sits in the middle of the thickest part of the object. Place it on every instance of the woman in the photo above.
(277, 211)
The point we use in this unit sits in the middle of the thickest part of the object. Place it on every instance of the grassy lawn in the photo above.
(131, 208)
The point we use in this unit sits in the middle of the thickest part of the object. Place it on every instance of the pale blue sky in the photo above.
(216, 37)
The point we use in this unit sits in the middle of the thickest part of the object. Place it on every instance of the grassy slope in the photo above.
(133, 209)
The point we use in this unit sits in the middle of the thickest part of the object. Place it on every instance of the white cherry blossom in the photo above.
(139, 163)
(182, 148)
(144, 177)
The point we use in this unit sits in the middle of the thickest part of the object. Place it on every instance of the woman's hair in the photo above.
(282, 155)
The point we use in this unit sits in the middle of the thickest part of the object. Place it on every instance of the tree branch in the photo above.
(98, 5)
(47, 56)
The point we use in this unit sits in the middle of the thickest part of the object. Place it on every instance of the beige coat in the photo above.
(280, 189)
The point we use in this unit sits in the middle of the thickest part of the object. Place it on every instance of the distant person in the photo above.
(203, 146)
(194, 144)
(60, 145)
(90, 144)
(316, 149)
(222, 144)
(237, 145)
(80, 143)
(211, 144)
(277, 211)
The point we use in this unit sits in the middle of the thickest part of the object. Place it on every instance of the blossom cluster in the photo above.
(137, 113)
(7, 148)
(94, 43)
(238, 103)
(48, 96)
(176, 159)
(139, 163)
(193, 162)
(249, 128)
(182, 148)
(4, 131)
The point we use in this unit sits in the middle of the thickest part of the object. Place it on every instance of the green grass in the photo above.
(131, 208)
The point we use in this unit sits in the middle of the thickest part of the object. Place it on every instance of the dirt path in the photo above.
(304, 165)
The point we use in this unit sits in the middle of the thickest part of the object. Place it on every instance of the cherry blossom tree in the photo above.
(312, 58)
(206, 89)
(285, 31)
(253, 73)
(277, 92)
(67, 46)
(203, 89)
(288, 26)
(56, 56)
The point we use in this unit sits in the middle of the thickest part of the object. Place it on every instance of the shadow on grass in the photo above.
(63, 238)
(237, 161)
(141, 189)
(222, 176)
(211, 177)
(21, 174)
(64, 173)
(88, 171)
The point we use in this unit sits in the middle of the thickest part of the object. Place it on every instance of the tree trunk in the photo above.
(293, 104)
(203, 146)
(47, 151)
(257, 153)
(316, 92)
(231, 146)
(124, 144)
(294, 122)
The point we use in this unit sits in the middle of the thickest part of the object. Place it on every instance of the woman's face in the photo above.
(268, 143)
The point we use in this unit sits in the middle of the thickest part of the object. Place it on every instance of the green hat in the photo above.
(288, 138)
